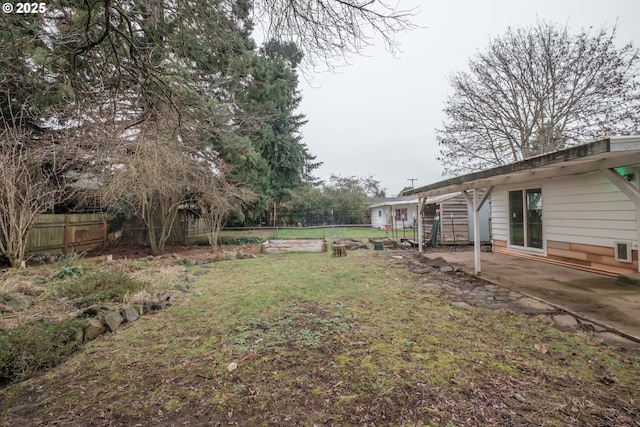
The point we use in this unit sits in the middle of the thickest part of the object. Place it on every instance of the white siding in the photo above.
(379, 220)
(411, 214)
(499, 214)
(586, 209)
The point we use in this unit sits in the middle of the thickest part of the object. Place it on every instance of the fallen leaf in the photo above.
(541, 348)
(519, 398)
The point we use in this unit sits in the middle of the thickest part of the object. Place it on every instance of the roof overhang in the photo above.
(413, 201)
(606, 153)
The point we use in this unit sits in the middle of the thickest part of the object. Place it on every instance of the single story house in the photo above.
(578, 207)
(446, 214)
(395, 213)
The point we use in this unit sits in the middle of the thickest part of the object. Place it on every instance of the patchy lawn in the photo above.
(304, 339)
(327, 232)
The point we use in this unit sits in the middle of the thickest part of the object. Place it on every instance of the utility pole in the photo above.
(412, 179)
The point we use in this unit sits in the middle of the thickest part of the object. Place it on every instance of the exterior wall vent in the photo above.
(623, 251)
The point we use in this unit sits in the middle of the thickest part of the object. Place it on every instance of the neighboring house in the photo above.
(396, 213)
(451, 211)
(577, 207)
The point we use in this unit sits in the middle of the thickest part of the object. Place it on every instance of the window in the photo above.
(401, 214)
(379, 213)
(525, 218)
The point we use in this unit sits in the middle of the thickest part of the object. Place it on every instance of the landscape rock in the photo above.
(447, 269)
(418, 268)
(21, 302)
(30, 289)
(565, 321)
(93, 329)
(92, 311)
(152, 305)
(589, 326)
(130, 314)
(182, 288)
(228, 256)
(460, 304)
(167, 296)
(200, 272)
(113, 320)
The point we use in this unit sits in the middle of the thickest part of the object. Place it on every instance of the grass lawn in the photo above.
(309, 339)
(299, 233)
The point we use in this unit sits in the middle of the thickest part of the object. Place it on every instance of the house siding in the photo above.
(583, 216)
(500, 214)
(588, 209)
(379, 221)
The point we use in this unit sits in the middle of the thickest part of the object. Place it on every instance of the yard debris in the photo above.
(541, 348)
(18, 303)
(519, 398)
(421, 264)
(232, 366)
(351, 244)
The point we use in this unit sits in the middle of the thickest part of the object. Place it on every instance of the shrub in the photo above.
(33, 346)
(69, 267)
(241, 240)
(100, 286)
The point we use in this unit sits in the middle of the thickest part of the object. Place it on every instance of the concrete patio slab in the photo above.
(604, 300)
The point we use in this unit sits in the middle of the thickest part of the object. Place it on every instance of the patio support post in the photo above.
(476, 230)
(476, 204)
(421, 201)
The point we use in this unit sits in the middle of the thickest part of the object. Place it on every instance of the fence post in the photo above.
(65, 237)
(73, 233)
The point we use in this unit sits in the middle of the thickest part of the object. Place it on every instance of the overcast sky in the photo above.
(378, 115)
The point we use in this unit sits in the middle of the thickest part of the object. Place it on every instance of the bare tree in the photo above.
(217, 198)
(150, 175)
(326, 30)
(537, 90)
(28, 187)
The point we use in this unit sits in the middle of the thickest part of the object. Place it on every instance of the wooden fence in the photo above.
(56, 233)
(67, 233)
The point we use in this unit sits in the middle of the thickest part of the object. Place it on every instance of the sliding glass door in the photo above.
(525, 218)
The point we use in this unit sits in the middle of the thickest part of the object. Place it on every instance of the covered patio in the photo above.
(613, 303)
(578, 206)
